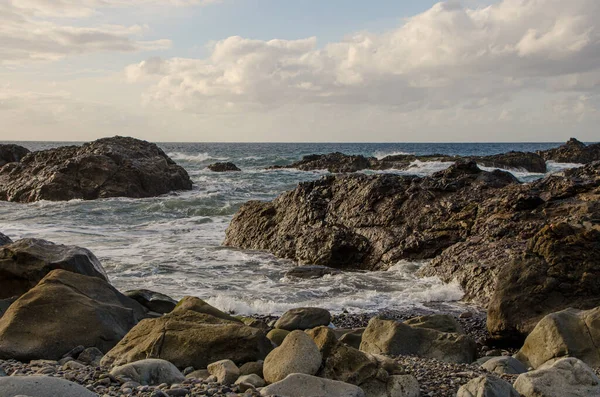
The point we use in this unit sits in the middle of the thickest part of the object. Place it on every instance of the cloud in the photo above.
(448, 57)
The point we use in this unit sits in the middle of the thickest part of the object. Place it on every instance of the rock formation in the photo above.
(10, 153)
(573, 151)
(223, 167)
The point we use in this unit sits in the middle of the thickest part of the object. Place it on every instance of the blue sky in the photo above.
(267, 70)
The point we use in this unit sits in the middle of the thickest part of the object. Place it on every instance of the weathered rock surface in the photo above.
(333, 162)
(347, 364)
(108, 167)
(277, 336)
(570, 332)
(573, 151)
(301, 385)
(367, 222)
(153, 301)
(225, 371)
(24, 263)
(393, 338)
(303, 318)
(297, 354)
(91, 356)
(438, 322)
(568, 377)
(4, 240)
(504, 365)
(487, 386)
(199, 306)
(188, 338)
(223, 167)
(10, 153)
(150, 372)
(63, 311)
(41, 386)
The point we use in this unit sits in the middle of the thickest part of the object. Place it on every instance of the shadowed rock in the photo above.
(223, 167)
(10, 153)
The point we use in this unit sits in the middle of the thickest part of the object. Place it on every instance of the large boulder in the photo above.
(394, 338)
(24, 263)
(149, 372)
(568, 333)
(301, 385)
(199, 306)
(367, 221)
(438, 322)
(350, 365)
(297, 354)
(188, 338)
(223, 167)
(303, 318)
(41, 386)
(573, 151)
(63, 311)
(108, 167)
(10, 153)
(4, 240)
(487, 386)
(568, 377)
(153, 301)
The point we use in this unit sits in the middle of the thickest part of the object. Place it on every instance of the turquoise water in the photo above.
(172, 243)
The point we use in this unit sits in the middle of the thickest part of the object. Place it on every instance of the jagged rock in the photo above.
(108, 167)
(41, 386)
(10, 153)
(303, 318)
(301, 385)
(573, 151)
(487, 386)
(24, 263)
(393, 338)
(151, 372)
(154, 301)
(333, 162)
(438, 322)
(311, 272)
(188, 338)
(570, 332)
(297, 354)
(568, 377)
(504, 365)
(63, 311)
(367, 221)
(5, 240)
(223, 167)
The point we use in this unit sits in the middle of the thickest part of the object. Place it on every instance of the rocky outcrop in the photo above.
(367, 221)
(223, 167)
(5, 240)
(573, 151)
(24, 263)
(332, 162)
(63, 311)
(393, 338)
(188, 338)
(109, 167)
(10, 153)
(311, 272)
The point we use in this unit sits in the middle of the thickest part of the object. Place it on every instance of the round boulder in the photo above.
(297, 354)
(303, 318)
(151, 372)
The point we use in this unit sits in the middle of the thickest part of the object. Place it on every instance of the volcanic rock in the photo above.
(10, 153)
(223, 167)
(573, 151)
(149, 372)
(108, 167)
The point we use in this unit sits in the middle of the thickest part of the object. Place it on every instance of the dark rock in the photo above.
(108, 167)
(4, 240)
(530, 162)
(154, 301)
(573, 152)
(311, 272)
(367, 221)
(63, 311)
(10, 153)
(24, 263)
(5, 304)
(333, 162)
(223, 167)
(91, 356)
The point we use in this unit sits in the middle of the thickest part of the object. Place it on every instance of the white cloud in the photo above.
(448, 57)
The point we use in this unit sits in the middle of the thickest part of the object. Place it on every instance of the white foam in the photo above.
(554, 167)
(381, 155)
(198, 158)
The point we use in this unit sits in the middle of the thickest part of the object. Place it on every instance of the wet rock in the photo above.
(568, 377)
(154, 301)
(5, 240)
(390, 337)
(504, 365)
(225, 370)
(223, 167)
(573, 151)
(303, 318)
(297, 354)
(301, 385)
(40, 324)
(108, 167)
(41, 386)
(487, 386)
(10, 153)
(149, 372)
(24, 263)
(311, 272)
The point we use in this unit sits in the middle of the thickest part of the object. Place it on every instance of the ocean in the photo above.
(172, 244)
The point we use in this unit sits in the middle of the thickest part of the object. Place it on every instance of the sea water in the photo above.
(172, 244)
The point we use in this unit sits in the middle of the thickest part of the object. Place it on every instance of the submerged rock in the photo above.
(24, 263)
(223, 167)
(311, 272)
(10, 153)
(108, 167)
(573, 151)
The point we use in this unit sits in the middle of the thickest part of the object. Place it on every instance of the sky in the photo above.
(300, 71)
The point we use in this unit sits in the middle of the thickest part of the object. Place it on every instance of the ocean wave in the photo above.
(558, 167)
(198, 158)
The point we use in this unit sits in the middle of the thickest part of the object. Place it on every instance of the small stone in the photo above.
(225, 370)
